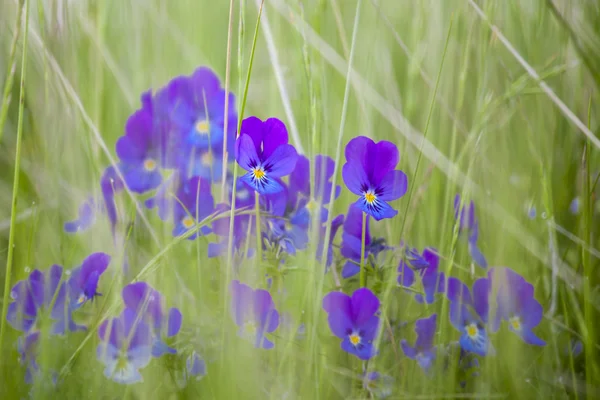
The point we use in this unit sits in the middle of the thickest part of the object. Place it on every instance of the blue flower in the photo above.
(370, 173)
(111, 184)
(423, 351)
(193, 203)
(516, 304)
(148, 304)
(378, 385)
(86, 216)
(262, 149)
(432, 280)
(41, 296)
(469, 226)
(254, 313)
(351, 242)
(125, 347)
(355, 320)
(469, 314)
(83, 281)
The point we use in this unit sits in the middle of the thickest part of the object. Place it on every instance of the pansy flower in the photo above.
(423, 351)
(516, 304)
(83, 281)
(308, 185)
(254, 313)
(142, 150)
(352, 239)
(433, 281)
(125, 347)
(195, 108)
(111, 184)
(469, 225)
(354, 319)
(262, 149)
(27, 347)
(192, 204)
(469, 314)
(41, 297)
(378, 385)
(370, 173)
(148, 304)
(336, 224)
(86, 216)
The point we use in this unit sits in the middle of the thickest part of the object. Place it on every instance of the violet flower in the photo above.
(423, 351)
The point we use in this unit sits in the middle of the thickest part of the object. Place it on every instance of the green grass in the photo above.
(431, 76)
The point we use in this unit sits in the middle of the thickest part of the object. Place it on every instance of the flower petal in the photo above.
(364, 305)
(274, 136)
(393, 185)
(245, 152)
(379, 209)
(355, 178)
(384, 160)
(281, 161)
(174, 322)
(349, 270)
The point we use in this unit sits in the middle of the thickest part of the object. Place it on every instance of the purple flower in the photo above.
(206, 164)
(254, 313)
(262, 150)
(423, 351)
(86, 216)
(195, 109)
(193, 203)
(378, 385)
(469, 226)
(469, 314)
(351, 241)
(432, 280)
(354, 319)
(516, 304)
(406, 276)
(301, 187)
(125, 347)
(336, 223)
(111, 184)
(148, 304)
(27, 347)
(142, 150)
(370, 173)
(83, 281)
(42, 294)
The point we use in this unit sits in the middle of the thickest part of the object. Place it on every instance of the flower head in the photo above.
(254, 313)
(423, 351)
(125, 347)
(193, 203)
(262, 150)
(516, 304)
(469, 225)
(111, 184)
(378, 385)
(469, 314)
(148, 304)
(354, 319)
(301, 188)
(433, 281)
(41, 299)
(83, 281)
(370, 173)
(86, 216)
(352, 240)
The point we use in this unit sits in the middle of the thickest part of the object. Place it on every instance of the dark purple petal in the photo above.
(378, 210)
(355, 178)
(339, 323)
(299, 182)
(431, 257)
(481, 292)
(364, 351)
(531, 338)
(364, 305)
(281, 161)
(360, 151)
(245, 152)
(350, 269)
(264, 311)
(353, 224)
(204, 82)
(431, 281)
(337, 302)
(274, 136)
(408, 350)
(142, 298)
(241, 302)
(174, 322)
(393, 185)
(253, 127)
(265, 186)
(457, 291)
(385, 159)
(406, 276)
(477, 255)
(531, 313)
(369, 328)
(135, 330)
(425, 329)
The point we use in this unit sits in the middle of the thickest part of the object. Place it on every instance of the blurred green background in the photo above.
(493, 134)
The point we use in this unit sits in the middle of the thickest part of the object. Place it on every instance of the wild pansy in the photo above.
(148, 304)
(354, 319)
(27, 346)
(352, 239)
(195, 368)
(469, 314)
(193, 202)
(370, 173)
(427, 267)
(125, 347)
(423, 351)
(41, 300)
(142, 150)
(195, 109)
(86, 216)
(516, 304)
(111, 184)
(469, 225)
(379, 386)
(336, 223)
(303, 192)
(83, 281)
(254, 313)
(262, 149)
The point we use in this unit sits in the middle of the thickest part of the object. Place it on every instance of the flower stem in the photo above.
(15, 190)
(363, 266)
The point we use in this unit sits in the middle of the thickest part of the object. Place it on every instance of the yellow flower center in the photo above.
(149, 165)
(515, 322)
(122, 362)
(354, 338)
(188, 222)
(312, 205)
(202, 127)
(472, 330)
(258, 173)
(81, 299)
(370, 197)
(250, 329)
(207, 159)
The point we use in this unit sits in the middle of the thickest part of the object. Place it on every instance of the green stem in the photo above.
(363, 266)
(12, 67)
(15, 190)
